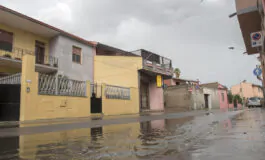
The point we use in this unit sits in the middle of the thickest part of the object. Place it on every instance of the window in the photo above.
(76, 55)
(223, 97)
(6, 41)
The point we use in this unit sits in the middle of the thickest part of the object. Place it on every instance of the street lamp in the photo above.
(233, 48)
(232, 15)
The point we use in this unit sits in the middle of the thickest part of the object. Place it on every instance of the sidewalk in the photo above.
(36, 127)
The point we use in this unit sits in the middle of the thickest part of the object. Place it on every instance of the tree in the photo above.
(238, 99)
(230, 97)
(177, 72)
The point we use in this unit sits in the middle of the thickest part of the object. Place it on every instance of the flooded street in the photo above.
(232, 135)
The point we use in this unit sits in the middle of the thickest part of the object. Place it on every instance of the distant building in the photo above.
(178, 81)
(247, 90)
(222, 94)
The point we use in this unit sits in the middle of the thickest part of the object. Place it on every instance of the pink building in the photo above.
(222, 94)
(151, 95)
(223, 99)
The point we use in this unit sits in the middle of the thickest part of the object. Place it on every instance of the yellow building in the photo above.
(49, 71)
(119, 71)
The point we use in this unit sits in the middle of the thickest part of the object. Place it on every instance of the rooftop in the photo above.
(11, 17)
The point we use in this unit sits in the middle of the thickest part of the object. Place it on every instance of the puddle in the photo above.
(182, 139)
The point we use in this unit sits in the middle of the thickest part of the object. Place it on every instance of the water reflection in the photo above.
(159, 139)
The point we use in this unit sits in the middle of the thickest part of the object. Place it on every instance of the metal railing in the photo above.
(157, 67)
(17, 54)
(47, 60)
(12, 79)
(61, 86)
(116, 92)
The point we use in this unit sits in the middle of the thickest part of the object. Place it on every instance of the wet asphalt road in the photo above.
(233, 135)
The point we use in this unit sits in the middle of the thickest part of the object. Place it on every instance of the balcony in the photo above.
(156, 67)
(157, 64)
(13, 60)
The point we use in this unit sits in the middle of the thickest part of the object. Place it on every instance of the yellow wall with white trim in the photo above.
(34, 106)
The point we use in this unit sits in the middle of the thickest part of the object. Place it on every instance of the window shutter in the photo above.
(6, 36)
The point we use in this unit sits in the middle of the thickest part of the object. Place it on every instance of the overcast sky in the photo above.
(194, 34)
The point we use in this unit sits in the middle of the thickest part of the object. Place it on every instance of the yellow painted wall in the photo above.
(24, 39)
(118, 106)
(29, 145)
(34, 106)
(119, 71)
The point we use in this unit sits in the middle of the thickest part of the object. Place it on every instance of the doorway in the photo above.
(39, 52)
(9, 102)
(144, 94)
(206, 100)
(96, 99)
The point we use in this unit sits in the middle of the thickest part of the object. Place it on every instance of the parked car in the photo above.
(254, 102)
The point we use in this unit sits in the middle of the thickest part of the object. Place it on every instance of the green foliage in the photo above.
(238, 99)
(177, 70)
(230, 97)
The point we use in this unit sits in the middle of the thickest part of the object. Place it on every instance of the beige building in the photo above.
(186, 97)
(247, 90)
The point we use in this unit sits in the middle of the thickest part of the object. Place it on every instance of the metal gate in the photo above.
(96, 98)
(10, 97)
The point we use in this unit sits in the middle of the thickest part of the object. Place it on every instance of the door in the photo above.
(206, 99)
(9, 102)
(144, 95)
(96, 98)
(39, 52)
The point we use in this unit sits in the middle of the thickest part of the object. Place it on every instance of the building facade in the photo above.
(178, 81)
(56, 51)
(222, 92)
(180, 98)
(250, 14)
(154, 66)
(76, 58)
(247, 90)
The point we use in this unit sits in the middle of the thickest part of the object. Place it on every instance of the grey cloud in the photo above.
(195, 35)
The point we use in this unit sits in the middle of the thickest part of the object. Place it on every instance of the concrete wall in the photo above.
(34, 106)
(198, 99)
(119, 106)
(119, 71)
(156, 97)
(214, 97)
(177, 98)
(61, 47)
